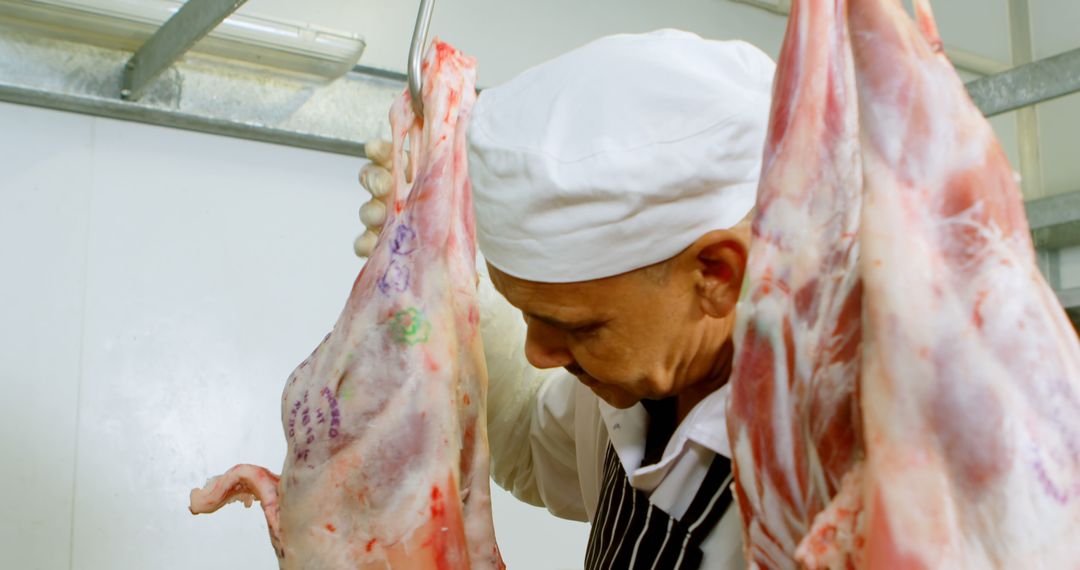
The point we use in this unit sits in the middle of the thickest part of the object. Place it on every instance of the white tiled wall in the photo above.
(156, 288)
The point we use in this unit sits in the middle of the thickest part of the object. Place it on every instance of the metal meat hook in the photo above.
(416, 53)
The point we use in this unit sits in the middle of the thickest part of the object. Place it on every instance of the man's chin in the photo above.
(614, 398)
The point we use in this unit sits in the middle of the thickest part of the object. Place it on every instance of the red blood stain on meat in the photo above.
(438, 507)
(468, 452)
(454, 95)
(444, 52)
(447, 540)
(976, 313)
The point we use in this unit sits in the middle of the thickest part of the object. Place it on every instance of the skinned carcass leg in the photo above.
(798, 328)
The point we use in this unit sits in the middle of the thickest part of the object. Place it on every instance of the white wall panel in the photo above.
(210, 267)
(1059, 136)
(1055, 29)
(1070, 267)
(1054, 26)
(46, 176)
(216, 265)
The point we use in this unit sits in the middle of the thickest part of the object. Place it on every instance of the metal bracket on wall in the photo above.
(1027, 84)
(189, 24)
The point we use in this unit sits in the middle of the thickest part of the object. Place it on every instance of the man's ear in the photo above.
(720, 257)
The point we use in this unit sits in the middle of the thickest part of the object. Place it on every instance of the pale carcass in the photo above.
(387, 463)
(970, 390)
(963, 447)
(792, 414)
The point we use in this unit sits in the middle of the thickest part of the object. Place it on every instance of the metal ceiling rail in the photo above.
(380, 72)
(1027, 84)
(116, 109)
(189, 24)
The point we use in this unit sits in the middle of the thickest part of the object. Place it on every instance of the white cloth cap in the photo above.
(618, 154)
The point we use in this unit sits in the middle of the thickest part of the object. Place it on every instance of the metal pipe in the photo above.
(416, 53)
(380, 73)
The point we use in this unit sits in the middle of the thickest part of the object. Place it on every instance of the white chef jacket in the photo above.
(548, 434)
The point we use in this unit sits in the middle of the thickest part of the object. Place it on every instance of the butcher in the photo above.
(613, 187)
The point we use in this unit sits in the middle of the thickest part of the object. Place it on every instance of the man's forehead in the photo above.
(560, 304)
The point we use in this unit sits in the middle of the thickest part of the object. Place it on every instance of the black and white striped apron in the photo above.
(628, 532)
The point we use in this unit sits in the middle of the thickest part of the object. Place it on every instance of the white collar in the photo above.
(706, 425)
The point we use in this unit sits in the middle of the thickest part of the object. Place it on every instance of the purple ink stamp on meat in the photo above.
(404, 241)
(335, 413)
(395, 280)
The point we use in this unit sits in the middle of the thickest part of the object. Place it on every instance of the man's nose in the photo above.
(545, 346)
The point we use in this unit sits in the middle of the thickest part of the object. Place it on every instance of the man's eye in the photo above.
(586, 330)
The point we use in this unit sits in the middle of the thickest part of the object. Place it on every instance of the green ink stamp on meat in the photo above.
(410, 327)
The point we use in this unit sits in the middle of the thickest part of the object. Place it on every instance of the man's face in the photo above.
(640, 335)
